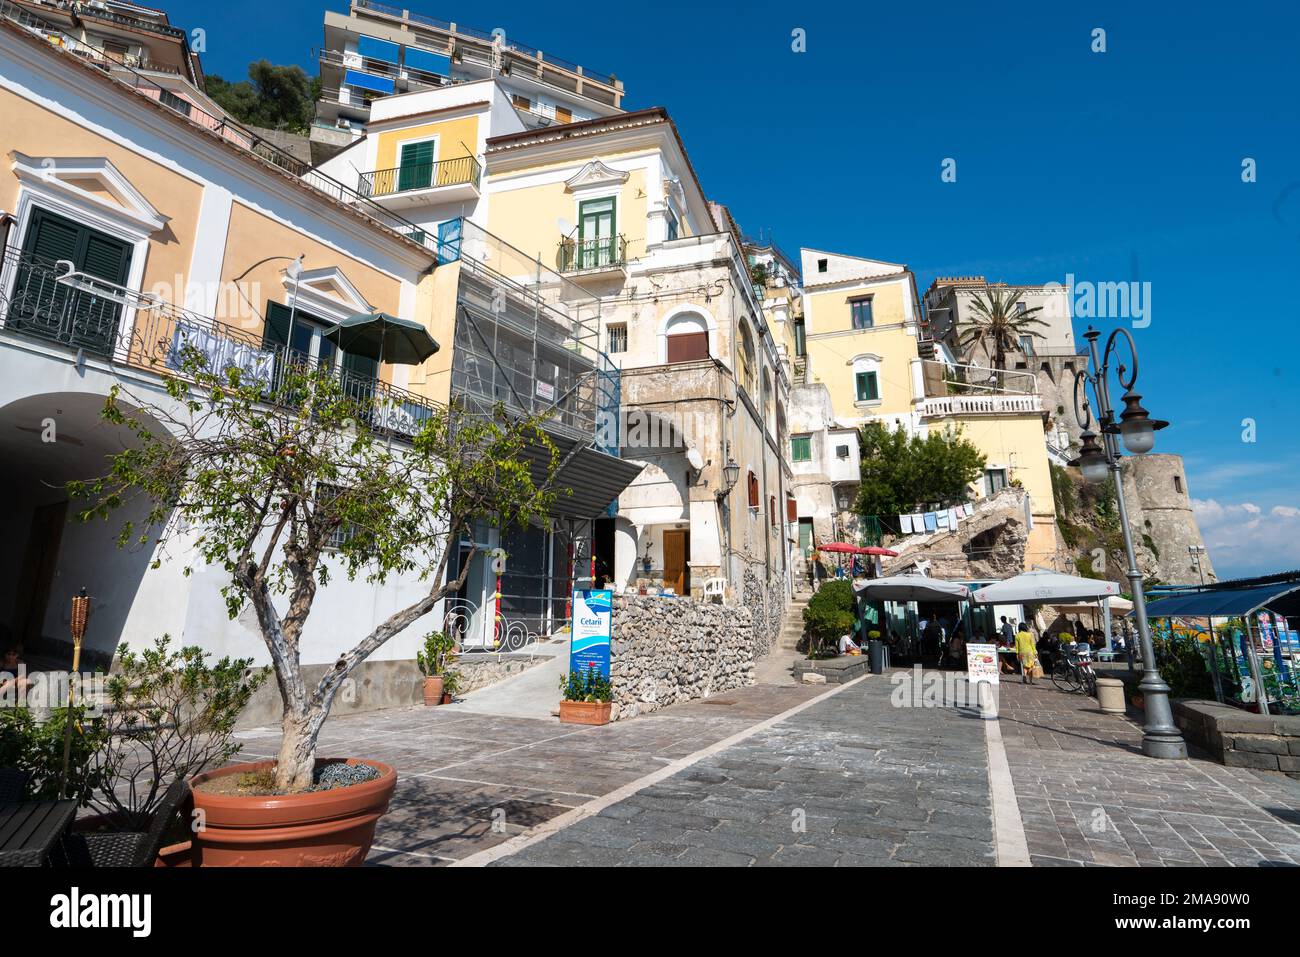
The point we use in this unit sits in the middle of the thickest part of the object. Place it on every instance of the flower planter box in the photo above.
(585, 712)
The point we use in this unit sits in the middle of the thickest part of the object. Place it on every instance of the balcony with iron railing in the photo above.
(416, 184)
(50, 303)
(544, 65)
(222, 127)
(604, 254)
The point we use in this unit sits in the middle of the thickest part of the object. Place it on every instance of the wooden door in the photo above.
(676, 548)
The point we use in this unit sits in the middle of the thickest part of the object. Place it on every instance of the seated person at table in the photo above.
(10, 661)
(957, 650)
(848, 646)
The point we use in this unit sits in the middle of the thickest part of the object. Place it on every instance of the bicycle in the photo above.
(1073, 670)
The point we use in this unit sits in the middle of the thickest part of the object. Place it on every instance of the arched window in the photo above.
(687, 337)
(753, 490)
(745, 358)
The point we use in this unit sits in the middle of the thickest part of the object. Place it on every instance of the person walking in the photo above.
(1027, 652)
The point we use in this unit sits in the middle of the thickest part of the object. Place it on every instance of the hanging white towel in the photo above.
(905, 524)
(918, 522)
(954, 516)
(943, 519)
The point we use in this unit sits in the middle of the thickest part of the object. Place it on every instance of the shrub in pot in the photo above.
(281, 487)
(434, 661)
(171, 714)
(828, 615)
(588, 697)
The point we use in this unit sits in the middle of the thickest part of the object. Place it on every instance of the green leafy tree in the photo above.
(279, 97)
(999, 321)
(281, 485)
(901, 472)
(828, 615)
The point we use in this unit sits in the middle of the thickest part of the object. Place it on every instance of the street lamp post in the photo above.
(1160, 736)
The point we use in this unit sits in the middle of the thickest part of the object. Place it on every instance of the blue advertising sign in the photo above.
(593, 626)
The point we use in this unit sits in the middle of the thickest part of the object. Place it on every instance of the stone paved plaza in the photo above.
(783, 774)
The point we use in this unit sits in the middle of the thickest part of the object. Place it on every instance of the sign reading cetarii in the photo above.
(593, 627)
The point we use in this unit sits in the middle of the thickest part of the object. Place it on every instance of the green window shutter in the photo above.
(52, 237)
(276, 332)
(361, 365)
(801, 448)
(416, 165)
(867, 387)
(106, 258)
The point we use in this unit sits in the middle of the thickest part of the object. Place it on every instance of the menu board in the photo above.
(982, 663)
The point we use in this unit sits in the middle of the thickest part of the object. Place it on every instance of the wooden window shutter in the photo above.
(753, 490)
(791, 509)
(688, 346)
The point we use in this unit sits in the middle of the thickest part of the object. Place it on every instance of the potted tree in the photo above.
(434, 661)
(281, 485)
(588, 697)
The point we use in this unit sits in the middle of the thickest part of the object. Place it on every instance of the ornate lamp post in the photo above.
(1160, 736)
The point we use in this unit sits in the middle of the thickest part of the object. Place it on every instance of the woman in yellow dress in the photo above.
(1027, 652)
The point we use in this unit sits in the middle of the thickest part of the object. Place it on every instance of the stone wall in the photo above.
(1160, 512)
(668, 650)
(767, 604)
(1241, 739)
(480, 670)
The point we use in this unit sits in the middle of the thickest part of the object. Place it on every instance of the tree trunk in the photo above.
(297, 759)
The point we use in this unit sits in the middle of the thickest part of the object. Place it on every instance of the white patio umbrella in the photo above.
(1042, 586)
(911, 588)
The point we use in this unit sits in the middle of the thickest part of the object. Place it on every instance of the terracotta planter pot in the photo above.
(585, 712)
(331, 828)
(175, 855)
(433, 691)
(446, 698)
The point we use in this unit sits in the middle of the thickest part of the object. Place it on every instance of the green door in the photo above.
(805, 536)
(595, 233)
(415, 166)
(42, 307)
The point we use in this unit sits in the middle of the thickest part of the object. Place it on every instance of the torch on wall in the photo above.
(77, 624)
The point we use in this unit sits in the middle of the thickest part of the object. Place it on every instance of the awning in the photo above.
(911, 588)
(594, 478)
(1044, 587)
(1226, 602)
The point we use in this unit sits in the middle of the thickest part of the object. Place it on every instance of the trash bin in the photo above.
(1110, 695)
(876, 656)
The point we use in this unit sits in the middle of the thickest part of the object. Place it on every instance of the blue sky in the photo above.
(1115, 166)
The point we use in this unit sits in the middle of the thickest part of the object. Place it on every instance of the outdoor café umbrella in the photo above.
(384, 338)
(1044, 587)
(912, 588)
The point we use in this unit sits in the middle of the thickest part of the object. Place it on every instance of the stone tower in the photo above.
(1160, 512)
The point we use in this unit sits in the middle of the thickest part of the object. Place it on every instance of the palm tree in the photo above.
(1001, 317)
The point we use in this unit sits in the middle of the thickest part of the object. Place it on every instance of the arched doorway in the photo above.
(46, 557)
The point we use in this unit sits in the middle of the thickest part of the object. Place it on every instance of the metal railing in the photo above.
(53, 303)
(484, 36)
(378, 67)
(459, 171)
(949, 379)
(600, 253)
(226, 129)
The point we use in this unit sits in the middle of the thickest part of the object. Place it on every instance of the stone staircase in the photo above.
(792, 622)
(777, 666)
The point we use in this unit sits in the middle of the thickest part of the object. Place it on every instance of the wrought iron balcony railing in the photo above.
(602, 253)
(52, 303)
(459, 171)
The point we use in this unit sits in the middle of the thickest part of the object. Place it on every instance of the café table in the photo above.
(30, 831)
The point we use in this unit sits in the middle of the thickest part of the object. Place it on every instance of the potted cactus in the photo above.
(434, 661)
(588, 697)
